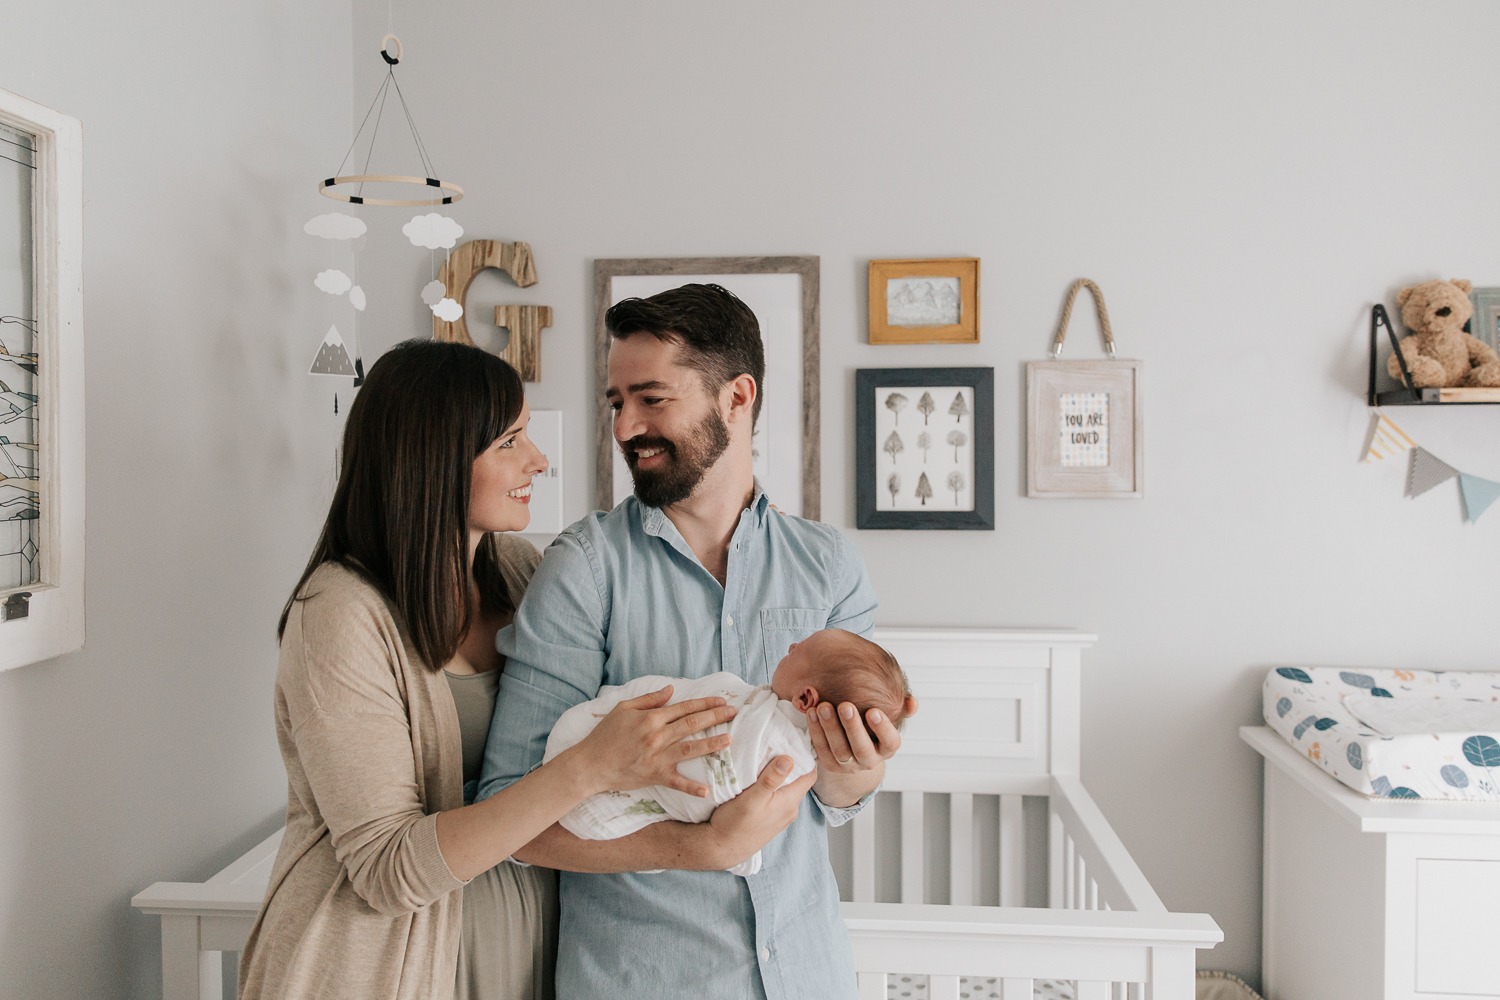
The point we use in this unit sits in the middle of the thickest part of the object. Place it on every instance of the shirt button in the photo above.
(730, 620)
(765, 954)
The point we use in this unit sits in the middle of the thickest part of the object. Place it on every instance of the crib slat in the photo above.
(1012, 852)
(1055, 860)
(913, 859)
(1015, 989)
(961, 849)
(942, 987)
(1080, 880)
(864, 856)
(871, 985)
(1070, 874)
(1093, 990)
(1093, 895)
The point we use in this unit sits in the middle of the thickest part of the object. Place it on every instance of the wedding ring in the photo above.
(848, 760)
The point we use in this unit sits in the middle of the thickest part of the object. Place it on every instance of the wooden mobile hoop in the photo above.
(325, 186)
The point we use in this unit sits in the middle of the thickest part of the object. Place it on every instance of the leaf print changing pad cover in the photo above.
(1406, 734)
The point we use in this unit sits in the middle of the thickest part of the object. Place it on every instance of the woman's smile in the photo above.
(521, 494)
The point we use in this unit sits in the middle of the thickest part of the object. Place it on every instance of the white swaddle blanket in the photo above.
(764, 728)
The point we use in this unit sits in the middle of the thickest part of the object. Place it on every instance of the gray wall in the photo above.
(150, 754)
(1241, 180)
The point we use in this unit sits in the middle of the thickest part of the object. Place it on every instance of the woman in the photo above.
(387, 659)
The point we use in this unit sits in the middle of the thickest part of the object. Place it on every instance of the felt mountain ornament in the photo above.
(1437, 351)
(1478, 494)
(333, 357)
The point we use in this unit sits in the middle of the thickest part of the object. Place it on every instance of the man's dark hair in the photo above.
(718, 334)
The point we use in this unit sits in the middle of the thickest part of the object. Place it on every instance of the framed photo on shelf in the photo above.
(924, 442)
(1486, 322)
(783, 294)
(1084, 430)
(924, 301)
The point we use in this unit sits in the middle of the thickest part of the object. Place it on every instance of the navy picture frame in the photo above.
(982, 517)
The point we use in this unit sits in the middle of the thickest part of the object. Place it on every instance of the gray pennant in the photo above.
(1427, 471)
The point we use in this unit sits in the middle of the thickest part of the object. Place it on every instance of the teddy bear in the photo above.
(1438, 353)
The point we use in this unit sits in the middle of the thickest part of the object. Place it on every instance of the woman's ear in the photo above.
(806, 699)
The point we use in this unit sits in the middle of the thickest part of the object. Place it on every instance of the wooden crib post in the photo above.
(1173, 974)
(872, 986)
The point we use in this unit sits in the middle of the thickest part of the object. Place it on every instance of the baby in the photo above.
(831, 666)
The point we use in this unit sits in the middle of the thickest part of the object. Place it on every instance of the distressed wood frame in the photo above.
(605, 270)
(1124, 477)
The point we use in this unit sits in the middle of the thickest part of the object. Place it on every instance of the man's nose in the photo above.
(628, 423)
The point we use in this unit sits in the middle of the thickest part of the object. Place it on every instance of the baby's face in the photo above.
(799, 669)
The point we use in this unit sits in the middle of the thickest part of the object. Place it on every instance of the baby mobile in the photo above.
(431, 231)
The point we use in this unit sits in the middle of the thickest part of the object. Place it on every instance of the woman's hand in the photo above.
(850, 765)
(641, 742)
(745, 824)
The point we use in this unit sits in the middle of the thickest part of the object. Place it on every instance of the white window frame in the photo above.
(54, 622)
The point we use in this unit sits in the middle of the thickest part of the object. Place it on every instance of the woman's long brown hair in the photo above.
(400, 512)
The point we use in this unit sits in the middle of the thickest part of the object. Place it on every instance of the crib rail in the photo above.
(1107, 954)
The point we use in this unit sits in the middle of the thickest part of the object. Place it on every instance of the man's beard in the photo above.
(685, 465)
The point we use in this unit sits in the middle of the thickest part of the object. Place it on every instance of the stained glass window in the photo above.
(20, 473)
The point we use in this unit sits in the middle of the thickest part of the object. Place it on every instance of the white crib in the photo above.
(999, 721)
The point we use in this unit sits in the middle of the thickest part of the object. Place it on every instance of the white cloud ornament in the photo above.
(433, 292)
(357, 298)
(335, 226)
(333, 281)
(433, 231)
(448, 310)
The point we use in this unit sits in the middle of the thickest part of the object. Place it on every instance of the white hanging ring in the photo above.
(387, 40)
(325, 185)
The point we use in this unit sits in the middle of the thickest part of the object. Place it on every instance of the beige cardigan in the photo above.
(361, 903)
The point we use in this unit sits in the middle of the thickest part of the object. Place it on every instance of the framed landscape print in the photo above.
(783, 294)
(925, 448)
(924, 301)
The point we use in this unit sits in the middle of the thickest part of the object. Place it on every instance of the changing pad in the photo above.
(1412, 734)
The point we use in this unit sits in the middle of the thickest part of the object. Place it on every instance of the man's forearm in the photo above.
(682, 846)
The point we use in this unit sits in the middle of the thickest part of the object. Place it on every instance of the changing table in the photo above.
(1373, 898)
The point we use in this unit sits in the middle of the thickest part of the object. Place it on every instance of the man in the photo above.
(694, 574)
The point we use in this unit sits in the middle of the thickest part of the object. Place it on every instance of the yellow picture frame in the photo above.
(914, 285)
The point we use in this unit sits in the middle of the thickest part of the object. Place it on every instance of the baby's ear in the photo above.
(910, 707)
(806, 699)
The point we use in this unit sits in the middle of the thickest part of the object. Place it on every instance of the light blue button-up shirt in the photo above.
(620, 595)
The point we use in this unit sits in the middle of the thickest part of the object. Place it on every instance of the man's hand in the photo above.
(850, 766)
(748, 822)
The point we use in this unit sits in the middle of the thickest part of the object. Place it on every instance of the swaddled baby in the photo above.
(831, 666)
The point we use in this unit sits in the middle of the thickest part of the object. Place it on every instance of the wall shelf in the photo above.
(1409, 394)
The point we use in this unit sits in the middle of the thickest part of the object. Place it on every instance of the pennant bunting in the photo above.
(1427, 471)
(1385, 439)
(1478, 494)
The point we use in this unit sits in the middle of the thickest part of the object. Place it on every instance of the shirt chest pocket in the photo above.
(780, 627)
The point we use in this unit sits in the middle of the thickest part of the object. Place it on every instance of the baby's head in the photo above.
(837, 666)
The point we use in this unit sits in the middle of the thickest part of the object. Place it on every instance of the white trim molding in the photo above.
(54, 623)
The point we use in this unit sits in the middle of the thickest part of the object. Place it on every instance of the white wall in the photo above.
(150, 755)
(1242, 180)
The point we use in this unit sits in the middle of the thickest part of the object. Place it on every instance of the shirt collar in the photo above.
(654, 521)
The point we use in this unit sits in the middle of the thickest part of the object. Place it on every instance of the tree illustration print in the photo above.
(894, 485)
(924, 489)
(925, 406)
(957, 439)
(893, 446)
(955, 483)
(896, 402)
(924, 441)
(959, 409)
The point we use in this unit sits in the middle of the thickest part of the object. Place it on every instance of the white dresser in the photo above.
(1374, 898)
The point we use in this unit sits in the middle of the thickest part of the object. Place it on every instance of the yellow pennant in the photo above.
(1385, 439)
